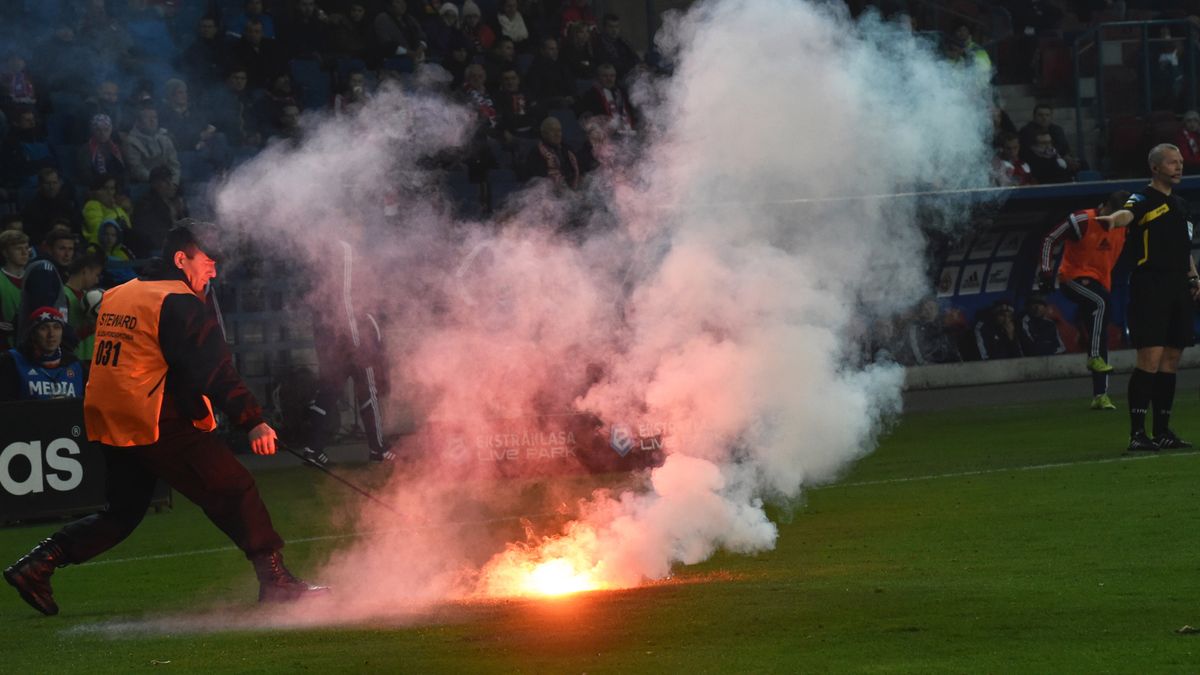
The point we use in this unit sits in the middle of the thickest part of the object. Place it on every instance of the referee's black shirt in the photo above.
(1160, 234)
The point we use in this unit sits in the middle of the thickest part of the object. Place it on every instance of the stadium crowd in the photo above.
(116, 117)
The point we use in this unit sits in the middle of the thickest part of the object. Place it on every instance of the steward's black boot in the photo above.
(31, 576)
(276, 583)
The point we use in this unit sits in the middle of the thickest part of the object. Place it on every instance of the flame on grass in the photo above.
(553, 566)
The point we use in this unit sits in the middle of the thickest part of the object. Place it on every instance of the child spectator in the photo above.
(111, 248)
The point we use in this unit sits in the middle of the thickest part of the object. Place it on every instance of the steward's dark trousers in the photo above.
(198, 465)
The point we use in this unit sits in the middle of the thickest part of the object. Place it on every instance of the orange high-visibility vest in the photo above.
(1094, 254)
(124, 393)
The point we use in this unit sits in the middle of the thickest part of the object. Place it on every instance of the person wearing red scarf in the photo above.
(100, 156)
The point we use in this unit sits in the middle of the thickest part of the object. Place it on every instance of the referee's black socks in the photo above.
(1164, 398)
(1141, 389)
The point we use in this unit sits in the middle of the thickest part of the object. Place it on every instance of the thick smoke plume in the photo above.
(712, 290)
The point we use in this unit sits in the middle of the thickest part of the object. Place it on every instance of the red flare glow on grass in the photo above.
(556, 566)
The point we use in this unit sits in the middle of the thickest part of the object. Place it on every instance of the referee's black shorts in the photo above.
(1161, 310)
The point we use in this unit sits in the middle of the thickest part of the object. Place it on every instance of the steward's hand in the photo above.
(262, 439)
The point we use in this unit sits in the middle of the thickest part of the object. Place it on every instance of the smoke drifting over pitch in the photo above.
(714, 296)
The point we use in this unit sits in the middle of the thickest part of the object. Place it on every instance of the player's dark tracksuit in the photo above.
(1160, 303)
(154, 420)
(349, 344)
(1085, 275)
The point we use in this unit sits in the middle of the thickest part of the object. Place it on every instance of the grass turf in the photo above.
(937, 553)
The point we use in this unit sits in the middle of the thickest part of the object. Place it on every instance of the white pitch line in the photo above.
(1031, 467)
(886, 481)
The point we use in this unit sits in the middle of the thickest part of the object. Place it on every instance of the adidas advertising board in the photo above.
(48, 468)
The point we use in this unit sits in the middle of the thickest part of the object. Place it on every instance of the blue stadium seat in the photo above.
(573, 134)
(400, 64)
(313, 83)
(522, 62)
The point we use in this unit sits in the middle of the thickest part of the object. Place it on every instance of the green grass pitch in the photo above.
(1000, 539)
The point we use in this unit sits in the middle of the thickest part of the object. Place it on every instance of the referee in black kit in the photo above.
(1162, 290)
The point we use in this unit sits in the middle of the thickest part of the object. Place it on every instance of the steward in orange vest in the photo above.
(160, 364)
(1090, 250)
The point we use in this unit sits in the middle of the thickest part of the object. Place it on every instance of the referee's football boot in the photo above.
(30, 575)
(1097, 364)
(277, 584)
(1167, 440)
(1103, 402)
(1140, 442)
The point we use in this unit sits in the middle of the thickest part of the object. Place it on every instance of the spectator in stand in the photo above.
(548, 81)
(64, 62)
(398, 34)
(884, 344)
(1045, 164)
(107, 101)
(41, 368)
(44, 277)
(479, 36)
(267, 111)
(110, 246)
(552, 159)
(996, 333)
(229, 109)
(24, 151)
(205, 61)
(512, 24)
(606, 101)
(1043, 123)
(287, 126)
(102, 206)
(14, 255)
(52, 202)
(1008, 169)
(445, 35)
(928, 338)
(82, 276)
(598, 151)
(1090, 251)
(480, 159)
(1030, 19)
(1189, 141)
(517, 118)
(100, 156)
(576, 12)
(979, 56)
(105, 35)
(353, 96)
(260, 56)
(149, 145)
(456, 64)
(501, 58)
(155, 213)
(351, 33)
(191, 130)
(252, 11)
(1039, 331)
(612, 48)
(577, 53)
(304, 32)
(1001, 124)
(16, 87)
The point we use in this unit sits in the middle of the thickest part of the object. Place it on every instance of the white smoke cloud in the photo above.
(712, 296)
